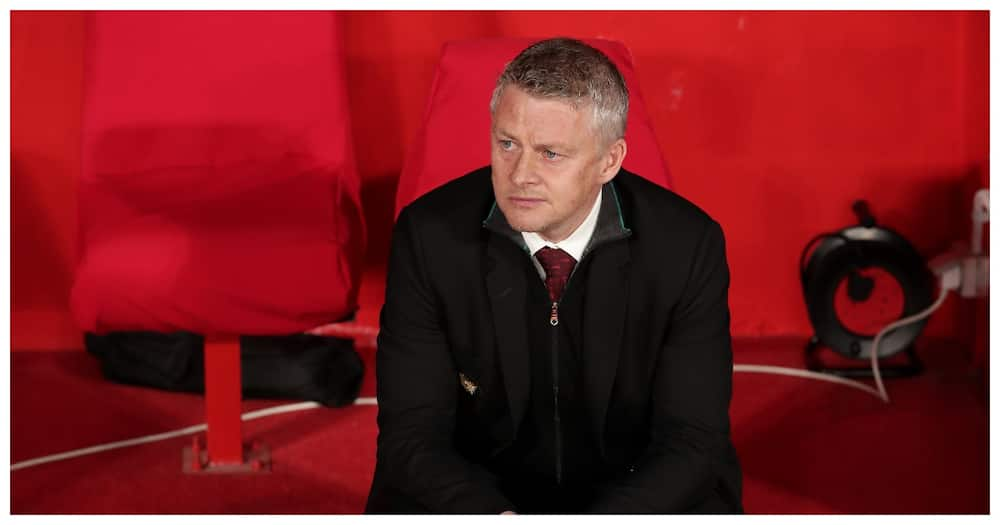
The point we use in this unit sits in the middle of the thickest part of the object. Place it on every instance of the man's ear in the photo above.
(612, 161)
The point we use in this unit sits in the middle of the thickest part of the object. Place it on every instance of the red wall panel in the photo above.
(46, 82)
(771, 121)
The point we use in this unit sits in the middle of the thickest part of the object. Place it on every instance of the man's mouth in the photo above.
(526, 202)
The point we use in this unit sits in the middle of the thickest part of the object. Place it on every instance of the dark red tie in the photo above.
(557, 265)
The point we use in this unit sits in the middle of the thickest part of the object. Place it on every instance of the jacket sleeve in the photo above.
(690, 397)
(417, 383)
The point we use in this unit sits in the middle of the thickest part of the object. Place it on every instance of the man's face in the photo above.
(548, 163)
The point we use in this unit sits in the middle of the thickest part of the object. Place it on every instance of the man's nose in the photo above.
(523, 171)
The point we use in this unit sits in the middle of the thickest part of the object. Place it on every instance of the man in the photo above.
(555, 335)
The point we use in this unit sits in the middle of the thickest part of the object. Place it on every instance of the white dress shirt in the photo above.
(573, 245)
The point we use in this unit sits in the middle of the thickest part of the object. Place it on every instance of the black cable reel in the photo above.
(857, 280)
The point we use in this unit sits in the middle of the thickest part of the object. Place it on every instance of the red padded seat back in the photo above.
(219, 192)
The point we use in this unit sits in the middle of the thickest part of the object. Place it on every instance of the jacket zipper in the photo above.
(554, 321)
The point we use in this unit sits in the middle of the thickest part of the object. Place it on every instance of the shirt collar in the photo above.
(576, 243)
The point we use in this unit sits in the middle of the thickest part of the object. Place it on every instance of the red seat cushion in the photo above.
(219, 192)
(454, 138)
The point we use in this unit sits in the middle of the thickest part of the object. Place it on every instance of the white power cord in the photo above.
(950, 280)
(249, 416)
(902, 322)
(808, 374)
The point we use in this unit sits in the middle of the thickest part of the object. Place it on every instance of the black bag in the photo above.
(300, 366)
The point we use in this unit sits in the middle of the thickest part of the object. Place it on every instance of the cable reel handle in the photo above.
(863, 213)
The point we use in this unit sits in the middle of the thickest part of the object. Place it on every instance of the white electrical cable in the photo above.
(249, 416)
(879, 392)
(109, 446)
(892, 326)
(808, 374)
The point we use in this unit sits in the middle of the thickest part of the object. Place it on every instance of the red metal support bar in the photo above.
(223, 394)
(224, 451)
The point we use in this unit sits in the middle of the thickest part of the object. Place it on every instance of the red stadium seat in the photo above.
(219, 193)
(454, 137)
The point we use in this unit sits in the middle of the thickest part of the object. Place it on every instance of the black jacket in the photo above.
(656, 354)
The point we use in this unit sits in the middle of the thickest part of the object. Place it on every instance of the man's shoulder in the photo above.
(464, 200)
(649, 205)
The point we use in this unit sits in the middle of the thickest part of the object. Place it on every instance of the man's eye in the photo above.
(551, 155)
(506, 144)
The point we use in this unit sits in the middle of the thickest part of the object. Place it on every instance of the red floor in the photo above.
(806, 446)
